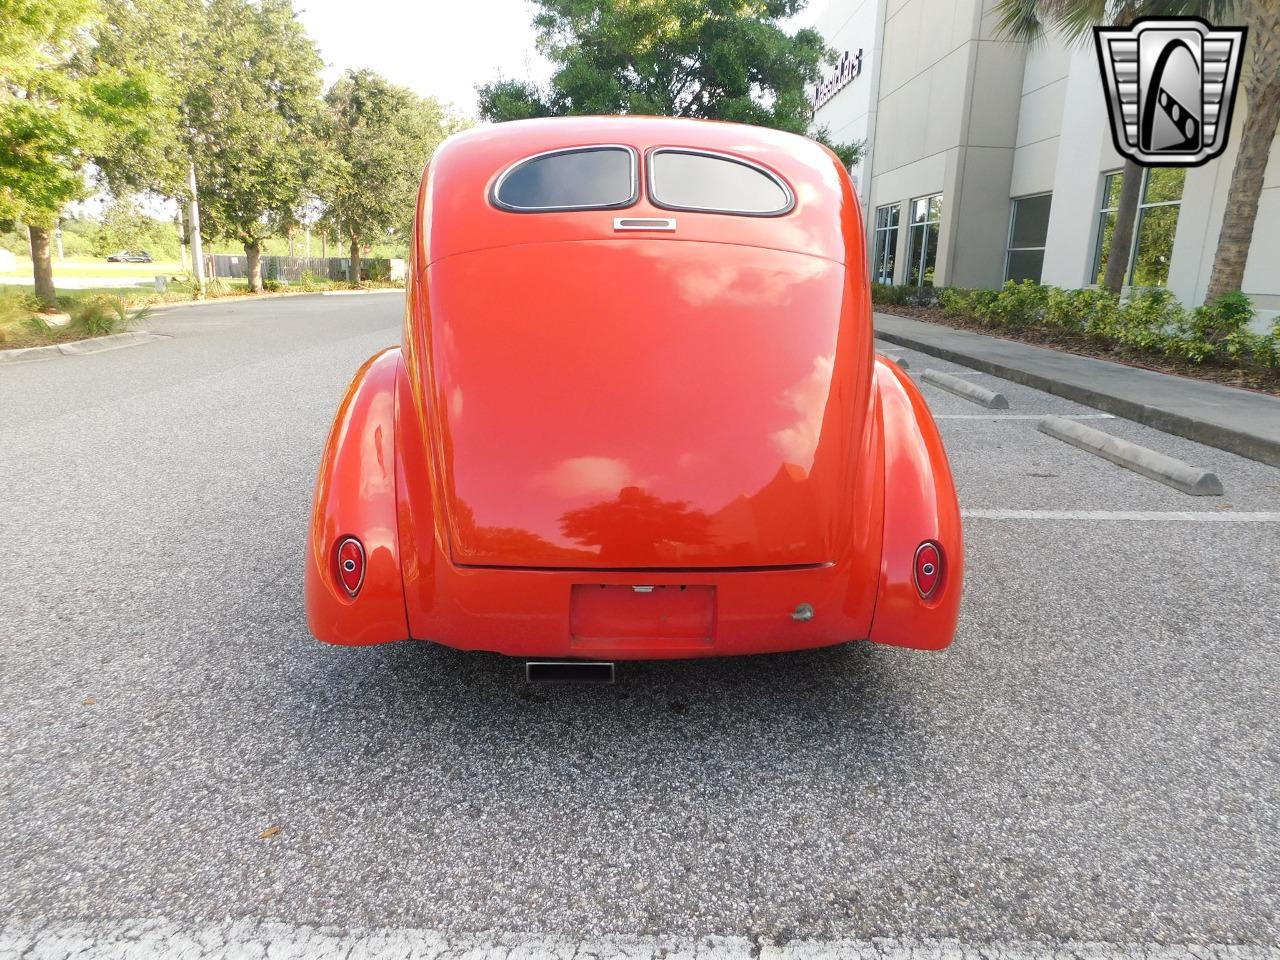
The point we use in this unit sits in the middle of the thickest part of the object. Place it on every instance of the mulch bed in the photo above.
(1263, 381)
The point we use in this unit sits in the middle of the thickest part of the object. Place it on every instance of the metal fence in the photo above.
(230, 266)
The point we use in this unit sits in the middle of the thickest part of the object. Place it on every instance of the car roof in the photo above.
(457, 216)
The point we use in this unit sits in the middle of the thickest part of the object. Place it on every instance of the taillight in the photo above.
(350, 563)
(928, 568)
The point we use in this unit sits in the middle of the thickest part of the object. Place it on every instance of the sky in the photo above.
(438, 48)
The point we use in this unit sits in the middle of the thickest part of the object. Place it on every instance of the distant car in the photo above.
(129, 256)
(635, 413)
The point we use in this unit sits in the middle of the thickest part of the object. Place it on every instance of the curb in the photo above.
(1262, 449)
(896, 358)
(970, 391)
(1167, 470)
(252, 297)
(77, 348)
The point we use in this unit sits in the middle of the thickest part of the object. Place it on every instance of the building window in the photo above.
(886, 245)
(922, 236)
(1028, 227)
(1153, 233)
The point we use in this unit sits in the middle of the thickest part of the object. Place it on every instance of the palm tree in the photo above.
(1026, 20)
(1261, 83)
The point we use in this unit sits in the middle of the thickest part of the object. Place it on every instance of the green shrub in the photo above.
(903, 294)
(17, 309)
(1064, 309)
(1219, 330)
(1147, 320)
(954, 300)
(888, 294)
(16, 306)
(1229, 314)
(1152, 321)
(972, 305)
(100, 315)
(1018, 304)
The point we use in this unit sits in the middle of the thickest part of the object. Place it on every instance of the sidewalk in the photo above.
(1239, 421)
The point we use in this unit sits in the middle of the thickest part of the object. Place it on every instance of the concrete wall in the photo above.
(1200, 220)
(947, 123)
(853, 25)
(1083, 152)
(948, 107)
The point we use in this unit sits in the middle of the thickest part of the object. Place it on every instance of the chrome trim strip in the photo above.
(644, 223)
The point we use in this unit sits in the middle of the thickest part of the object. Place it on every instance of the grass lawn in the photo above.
(87, 267)
(94, 311)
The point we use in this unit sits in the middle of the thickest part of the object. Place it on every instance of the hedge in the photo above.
(1152, 321)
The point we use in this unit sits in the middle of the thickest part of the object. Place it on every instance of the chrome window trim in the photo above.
(697, 152)
(631, 201)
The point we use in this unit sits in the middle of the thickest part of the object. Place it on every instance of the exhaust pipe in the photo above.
(568, 671)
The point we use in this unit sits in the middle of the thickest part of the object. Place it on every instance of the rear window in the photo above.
(581, 178)
(711, 182)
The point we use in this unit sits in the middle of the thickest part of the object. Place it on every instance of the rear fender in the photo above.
(920, 504)
(355, 496)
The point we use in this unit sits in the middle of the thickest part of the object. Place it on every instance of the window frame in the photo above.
(634, 155)
(889, 251)
(923, 227)
(774, 176)
(1009, 248)
(1099, 225)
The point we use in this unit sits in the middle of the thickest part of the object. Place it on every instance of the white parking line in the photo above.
(1021, 416)
(1195, 516)
(143, 940)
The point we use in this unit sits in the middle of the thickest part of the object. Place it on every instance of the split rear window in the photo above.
(714, 183)
(606, 177)
(588, 178)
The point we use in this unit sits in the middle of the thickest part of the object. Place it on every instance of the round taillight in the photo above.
(928, 568)
(350, 564)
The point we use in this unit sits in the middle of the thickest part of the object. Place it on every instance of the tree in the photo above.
(123, 227)
(722, 60)
(253, 122)
(56, 117)
(1026, 20)
(1261, 82)
(163, 38)
(377, 139)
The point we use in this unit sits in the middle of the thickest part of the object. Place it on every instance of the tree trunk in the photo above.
(1259, 131)
(42, 266)
(1122, 237)
(182, 239)
(353, 273)
(193, 230)
(254, 252)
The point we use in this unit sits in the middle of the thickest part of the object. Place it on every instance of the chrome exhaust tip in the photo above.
(568, 671)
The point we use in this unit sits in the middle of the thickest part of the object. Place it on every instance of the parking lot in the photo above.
(1095, 759)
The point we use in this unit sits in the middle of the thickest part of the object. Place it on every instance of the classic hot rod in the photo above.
(635, 413)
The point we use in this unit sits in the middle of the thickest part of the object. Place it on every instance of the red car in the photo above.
(635, 413)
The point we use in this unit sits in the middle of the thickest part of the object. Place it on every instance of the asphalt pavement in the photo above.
(1096, 758)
